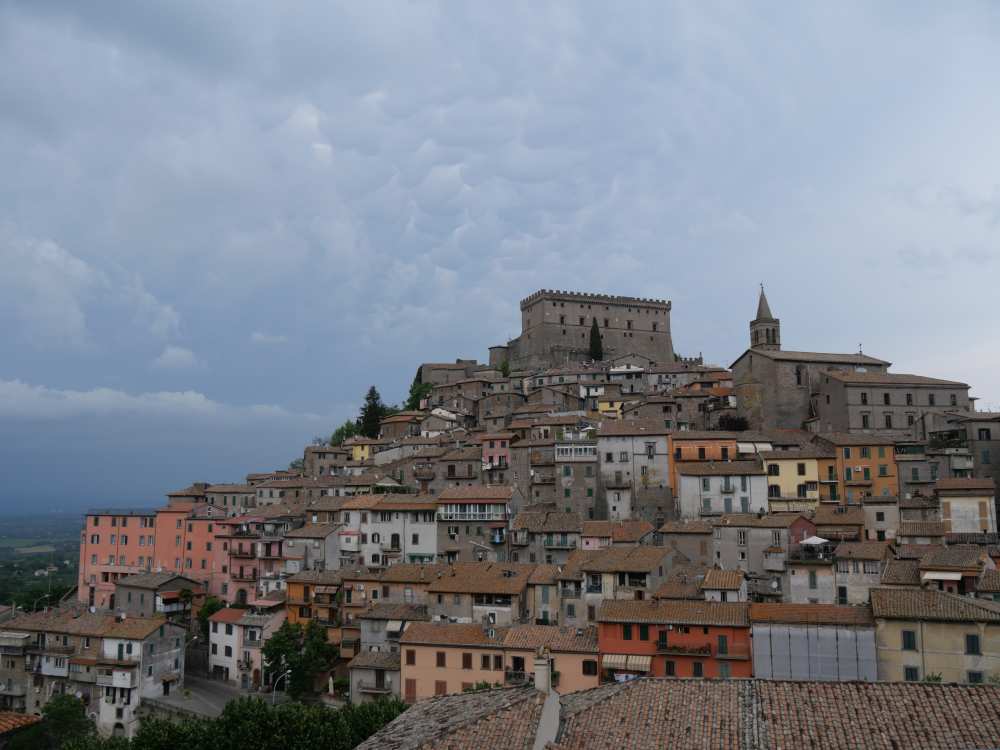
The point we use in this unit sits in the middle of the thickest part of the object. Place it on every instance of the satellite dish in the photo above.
(774, 585)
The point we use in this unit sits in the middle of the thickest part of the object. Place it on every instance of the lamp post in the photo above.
(35, 603)
(274, 688)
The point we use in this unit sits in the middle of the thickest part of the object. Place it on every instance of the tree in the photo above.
(347, 430)
(505, 368)
(304, 652)
(372, 413)
(418, 392)
(733, 423)
(596, 347)
(297, 465)
(208, 608)
(65, 717)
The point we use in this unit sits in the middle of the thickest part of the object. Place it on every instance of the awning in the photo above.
(815, 540)
(394, 625)
(615, 661)
(639, 663)
(326, 589)
(931, 575)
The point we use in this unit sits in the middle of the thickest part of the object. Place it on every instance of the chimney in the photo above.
(543, 670)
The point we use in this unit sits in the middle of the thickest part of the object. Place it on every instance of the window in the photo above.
(911, 674)
(706, 484)
(975, 678)
(930, 399)
(497, 662)
(701, 454)
(801, 469)
(888, 421)
(627, 632)
(953, 400)
(909, 399)
(865, 422)
(741, 537)
(229, 650)
(441, 659)
(972, 644)
(885, 399)
(812, 579)
(484, 662)
(773, 470)
(440, 687)
(697, 669)
(864, 398)
(644, 632)
(590, 667)
(466, 661)
(909, 640)
(879, 516)
(411, 657)
(847, 452)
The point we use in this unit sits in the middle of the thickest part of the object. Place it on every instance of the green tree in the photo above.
(297, 465)
(418, 391)
(304, 652)
(596, 347)
(372, 413)
(65, 717)
(505, 368)
(210, 606)
(347, 430)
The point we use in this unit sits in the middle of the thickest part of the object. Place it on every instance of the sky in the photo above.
(221, 222)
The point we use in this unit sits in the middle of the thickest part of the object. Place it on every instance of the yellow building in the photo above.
(793, 478)
(361, 448)
(610, 407)
(312, 595)
(921, 634)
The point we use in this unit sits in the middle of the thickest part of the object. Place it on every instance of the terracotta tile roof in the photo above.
(811, 614)
(539, 522)
(727, 580)
(914, 551)
(320, 577)
(619, 531)
(412, 572)
(375, 660)
(229, 615)
(628, 428)
(929, 604)
(626, 559)
(765, 521)
(989, 582)
(683, 582)
(313, 531)
(499, 493)
(719, 469)
(406, 502)
(651, 714)
(686, 527)
(889, 378)
(463, 454)
(832, 514)
(955, 557)
(498, 719)
(544, 574)
(918, 502)
(674, 611)
(556, 638)
(12, 722)
(901, 573)
(156, 580)
(452, 634)
(985, 538)
(922, 528)
(966, 485)
(862, 550)
(482, 578)
(798, 454)
(74, 622)
(395, 611)
(841, 439)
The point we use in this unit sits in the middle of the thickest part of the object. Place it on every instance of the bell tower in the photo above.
(765, 329)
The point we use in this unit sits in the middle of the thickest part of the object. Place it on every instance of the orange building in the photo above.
(862, 465)
(113, 543)
(690, 445)
(313, 595)
(675, 638)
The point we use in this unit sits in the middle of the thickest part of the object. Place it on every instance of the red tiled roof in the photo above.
(675, 611)
(12, 722)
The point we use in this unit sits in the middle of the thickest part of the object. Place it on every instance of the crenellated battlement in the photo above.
(607, 299)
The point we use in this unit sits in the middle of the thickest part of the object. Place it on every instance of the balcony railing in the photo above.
(570, 592)
(594, 588)
(442, 516)
(555, 543)
(249, 577)
(738, 653)
(244, 553)
(665, 647)
(519, 540)
(365, 686)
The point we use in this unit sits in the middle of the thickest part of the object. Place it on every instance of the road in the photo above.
(207, 697)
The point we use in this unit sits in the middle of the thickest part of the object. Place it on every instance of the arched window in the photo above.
(375, 538)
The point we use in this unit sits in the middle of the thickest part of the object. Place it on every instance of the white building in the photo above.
(224, 638)
(714, 488)
(633, 456)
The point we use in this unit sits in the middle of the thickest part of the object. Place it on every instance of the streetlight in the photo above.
(274, 687)
(35, 603)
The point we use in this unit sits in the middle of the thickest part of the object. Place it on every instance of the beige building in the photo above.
(924, 635)
(444, 658)
(968, 505)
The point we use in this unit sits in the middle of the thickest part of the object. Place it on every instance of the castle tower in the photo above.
(765, 329)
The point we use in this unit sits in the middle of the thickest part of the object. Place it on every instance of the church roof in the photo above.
(786, 355)
(763, 309)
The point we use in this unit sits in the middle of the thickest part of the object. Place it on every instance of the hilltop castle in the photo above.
(555, 329)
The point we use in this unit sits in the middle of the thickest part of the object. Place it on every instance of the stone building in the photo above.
(774, 386)
(555, 329)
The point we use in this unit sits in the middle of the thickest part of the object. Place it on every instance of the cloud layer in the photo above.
(284, 206)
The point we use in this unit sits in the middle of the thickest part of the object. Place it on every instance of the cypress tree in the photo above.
(596, 347)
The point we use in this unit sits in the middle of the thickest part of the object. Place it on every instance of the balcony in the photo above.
(594, 588)
(244, 665)
(54, 649)
(498, 538)
(365, 686)
(247, 554)
(118, 678)
(519, 539)
(734, 653)
(390, 547)
(14, 688)
(272, 555)
(543, 479)
(728, 489)
(244, 576)
(676, 649)
(442, 516)
(570, 592)
(516, 677)
(556, 543)
(425, 473)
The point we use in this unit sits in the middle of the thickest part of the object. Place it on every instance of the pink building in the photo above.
(113, 543)
(496, 450)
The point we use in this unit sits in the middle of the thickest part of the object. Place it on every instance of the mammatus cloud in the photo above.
(258, 337)
(176, 358)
